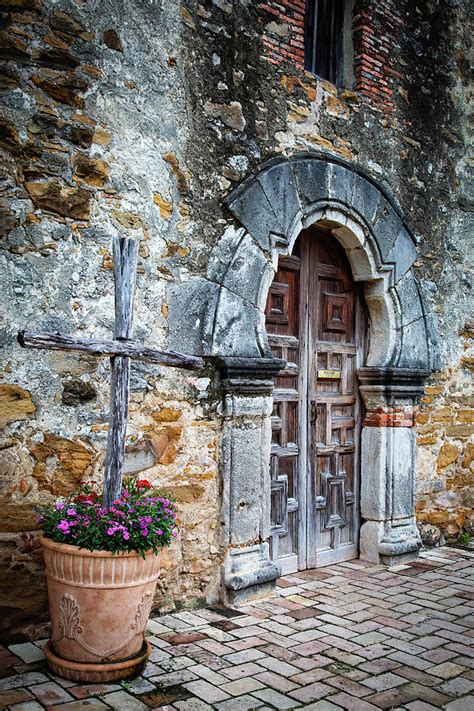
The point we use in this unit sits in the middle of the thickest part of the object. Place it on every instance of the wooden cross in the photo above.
(122, 349)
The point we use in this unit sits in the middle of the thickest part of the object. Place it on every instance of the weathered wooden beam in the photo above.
(119, 392)
(125, 262)
(97, 347)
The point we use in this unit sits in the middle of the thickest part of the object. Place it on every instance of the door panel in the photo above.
(282, 319)
(315, 322)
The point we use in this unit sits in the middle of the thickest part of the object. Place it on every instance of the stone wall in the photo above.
(136, 118)
(445, 478)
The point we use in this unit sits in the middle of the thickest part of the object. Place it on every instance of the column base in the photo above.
(248, 574)
(398, 544)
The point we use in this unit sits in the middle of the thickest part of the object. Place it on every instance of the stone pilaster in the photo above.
(388, 456)
(247, 383)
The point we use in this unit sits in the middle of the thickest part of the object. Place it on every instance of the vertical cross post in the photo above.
(125, 258)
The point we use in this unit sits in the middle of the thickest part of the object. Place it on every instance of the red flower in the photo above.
(143, 484)
(80, 498)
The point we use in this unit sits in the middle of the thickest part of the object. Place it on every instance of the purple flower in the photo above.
(111, 531)
(59, 506)
(71, 512)
(63, 526)
(126, 535)
(144, 531)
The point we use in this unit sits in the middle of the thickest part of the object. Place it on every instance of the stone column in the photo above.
(247, 383)
(388, 455)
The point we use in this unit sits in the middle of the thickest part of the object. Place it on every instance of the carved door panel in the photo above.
(315, 322)
(282, 320)
(335, 341)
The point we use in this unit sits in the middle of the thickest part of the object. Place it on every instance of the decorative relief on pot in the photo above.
(70, 625)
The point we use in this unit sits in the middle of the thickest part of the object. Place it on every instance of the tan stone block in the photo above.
(335, 107)
(185, 493)
(468, 456)
(444, 414)
(433, 389)
(166, 414)
(61, 199)
(460, 431)
(447, 455)
(438, 516)
(465, 416)
(91, 170)
(61, 464)
(101, 136)
(15, 404)
(427, 439)
(422, 418)
(127, 219)
(165, 206)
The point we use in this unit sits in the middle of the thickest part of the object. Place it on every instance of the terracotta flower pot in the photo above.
(99, 605)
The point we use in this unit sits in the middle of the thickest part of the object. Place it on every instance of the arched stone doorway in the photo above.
(316, 321)
(224, 317)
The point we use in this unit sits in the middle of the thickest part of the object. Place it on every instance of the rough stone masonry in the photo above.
(137, 118)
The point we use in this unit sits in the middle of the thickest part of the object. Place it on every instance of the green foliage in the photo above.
(140, 520)
(464, 538)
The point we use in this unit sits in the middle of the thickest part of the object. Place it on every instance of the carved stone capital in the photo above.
(249, 375)
(391, 391)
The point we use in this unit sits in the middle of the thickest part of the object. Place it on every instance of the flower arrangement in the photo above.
(140, 520)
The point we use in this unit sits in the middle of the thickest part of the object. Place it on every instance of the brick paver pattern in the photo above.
(353, 636)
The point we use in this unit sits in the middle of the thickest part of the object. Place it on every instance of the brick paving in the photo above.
(353, 636)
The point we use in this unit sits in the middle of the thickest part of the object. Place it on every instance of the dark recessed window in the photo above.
(325, 39)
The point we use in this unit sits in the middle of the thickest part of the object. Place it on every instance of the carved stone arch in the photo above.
(288, 195)
(223, 315)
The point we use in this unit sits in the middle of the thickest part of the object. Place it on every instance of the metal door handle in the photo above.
(313, 416)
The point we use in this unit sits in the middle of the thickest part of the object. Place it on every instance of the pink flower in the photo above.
(126, 535)
(63, 526)
(71, 512)
(59, 506)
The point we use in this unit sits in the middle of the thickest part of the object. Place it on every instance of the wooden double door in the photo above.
(316, 322)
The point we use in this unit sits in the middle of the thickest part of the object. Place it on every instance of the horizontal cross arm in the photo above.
(97, 347)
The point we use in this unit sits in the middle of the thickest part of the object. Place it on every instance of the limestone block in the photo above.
(371, 533)
(245, 270)
(340, 183)
(402, 254)
(192, 307)
(245, 485)
(365, 198)
(235, 329)
(223, 253)
(402, 471)
(251, 207)
(414, 350)
(374, 454)
(279, 185)
(386, 227)
(138, 457)
(409, 298)
(311, 179)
